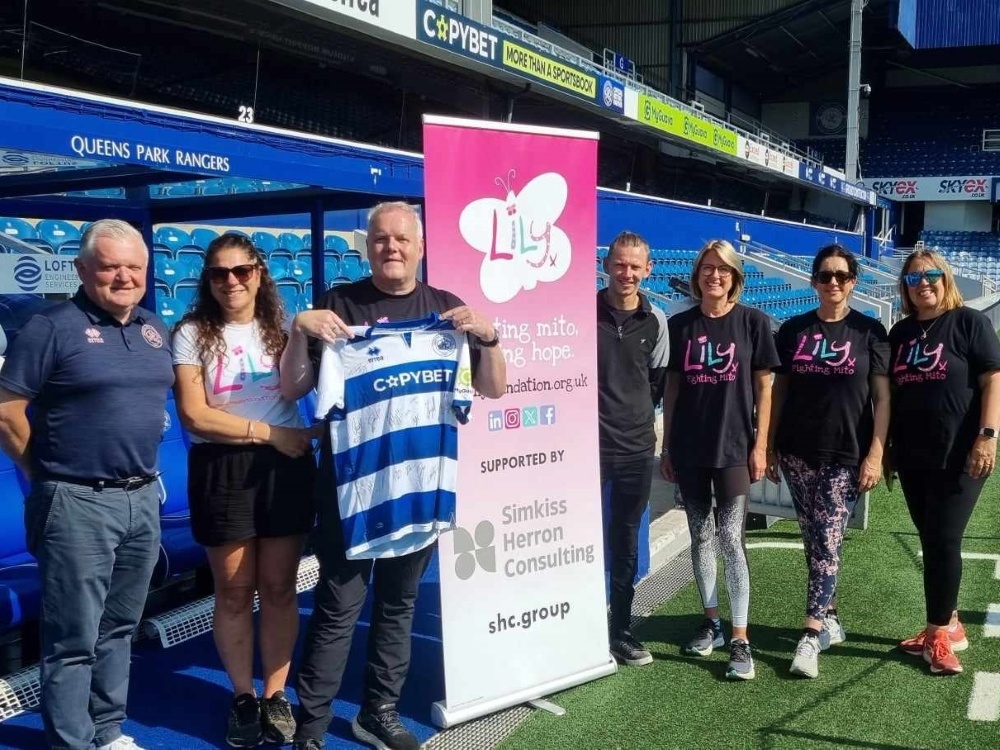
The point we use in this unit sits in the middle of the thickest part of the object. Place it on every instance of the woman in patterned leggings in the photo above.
(829, 418)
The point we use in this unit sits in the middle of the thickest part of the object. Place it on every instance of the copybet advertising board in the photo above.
(511, 227)
(39, 273)
(933, 188)
(685, 125)
(534, 64)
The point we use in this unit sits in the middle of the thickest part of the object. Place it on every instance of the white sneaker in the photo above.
(806, 660)
(122, 743)
(831, 624)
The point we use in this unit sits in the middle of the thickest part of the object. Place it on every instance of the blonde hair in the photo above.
(730, 257)
(952, 298)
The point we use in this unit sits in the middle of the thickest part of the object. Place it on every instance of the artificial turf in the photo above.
(868, 694)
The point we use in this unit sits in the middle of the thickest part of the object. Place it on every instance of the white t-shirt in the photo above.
(244, 381)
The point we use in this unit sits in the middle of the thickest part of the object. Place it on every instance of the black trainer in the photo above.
(276, 720)
(626, 649)
(307, 745)
(243, 727)
(383, 730)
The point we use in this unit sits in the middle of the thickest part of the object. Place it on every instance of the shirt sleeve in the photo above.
(765, 354)
(984, 348)
(674, 331)
(330, 385)
(463, 391)
(878, 350)
(185, 350)
(659, 357)
(31, 359)
(785, 345)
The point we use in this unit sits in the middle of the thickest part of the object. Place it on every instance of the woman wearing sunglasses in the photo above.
(250, 476)
(942, 437)
(715, 413)
(829, 418)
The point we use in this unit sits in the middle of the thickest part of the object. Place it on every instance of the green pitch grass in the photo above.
(868, 694)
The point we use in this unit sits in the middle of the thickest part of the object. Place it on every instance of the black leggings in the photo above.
(940, 502)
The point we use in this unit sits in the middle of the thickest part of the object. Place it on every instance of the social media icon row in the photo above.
(527, 416)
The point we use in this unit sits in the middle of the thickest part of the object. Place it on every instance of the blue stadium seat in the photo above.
(202, 237)
(172, 237)
(184, 294)
(57, 232)
(350, 266)
(301, 272)
(165, 270)
(169, 310)
(290, 293)
(18, 228)
(278, 267)
(265, 242)
(70, 247)
(290, 242)
(331, 269)
(190, 265)
(336, 243)
(281, 254)
(304, 257)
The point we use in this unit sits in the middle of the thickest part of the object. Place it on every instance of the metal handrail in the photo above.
(878, 291)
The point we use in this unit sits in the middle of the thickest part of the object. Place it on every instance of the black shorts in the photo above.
(239, 492)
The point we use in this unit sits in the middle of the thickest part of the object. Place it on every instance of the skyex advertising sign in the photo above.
(933, 188)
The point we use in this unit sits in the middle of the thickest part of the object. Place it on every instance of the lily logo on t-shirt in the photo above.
(708, 362)
(917, 362)
(824, 356)
(262, 371)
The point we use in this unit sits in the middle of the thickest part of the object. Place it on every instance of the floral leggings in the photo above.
(824, 496)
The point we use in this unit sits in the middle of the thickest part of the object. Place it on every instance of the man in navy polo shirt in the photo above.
(95, 371)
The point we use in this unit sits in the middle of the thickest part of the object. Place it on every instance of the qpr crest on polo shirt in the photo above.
(151, 336)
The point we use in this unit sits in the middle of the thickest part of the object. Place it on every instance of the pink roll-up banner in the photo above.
(511, 216)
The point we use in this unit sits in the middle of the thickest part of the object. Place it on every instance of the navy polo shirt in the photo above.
(98, 389)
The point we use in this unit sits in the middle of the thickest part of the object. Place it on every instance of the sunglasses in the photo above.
(933, 275)
(220, 274)
(825, 277)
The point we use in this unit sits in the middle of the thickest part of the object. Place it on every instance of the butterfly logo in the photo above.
(518, 235)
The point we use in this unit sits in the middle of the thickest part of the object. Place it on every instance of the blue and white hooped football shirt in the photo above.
(394, 395)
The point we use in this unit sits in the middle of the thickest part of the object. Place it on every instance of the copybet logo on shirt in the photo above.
(918, 362)
(406, 379)
(518, 236)
(818, 355)
(710, 362)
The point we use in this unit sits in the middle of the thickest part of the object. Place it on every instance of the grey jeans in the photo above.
(96, 550)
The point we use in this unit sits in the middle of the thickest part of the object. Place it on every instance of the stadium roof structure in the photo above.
(784, 51)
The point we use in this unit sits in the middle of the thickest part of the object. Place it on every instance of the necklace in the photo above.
(925, 331)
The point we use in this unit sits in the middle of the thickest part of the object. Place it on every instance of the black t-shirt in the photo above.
(936, 397)
(827, 415)
(712, 424)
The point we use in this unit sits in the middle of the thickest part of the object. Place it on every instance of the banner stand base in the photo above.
(546, 705)
(444, 717)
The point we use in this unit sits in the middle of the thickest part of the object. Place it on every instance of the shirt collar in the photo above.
(97, 314)
(645, 307)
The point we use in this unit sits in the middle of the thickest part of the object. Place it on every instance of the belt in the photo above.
(128, 483)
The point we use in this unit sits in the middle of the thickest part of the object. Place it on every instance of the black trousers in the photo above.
(626, 482)
(339, 596)
(940, 502)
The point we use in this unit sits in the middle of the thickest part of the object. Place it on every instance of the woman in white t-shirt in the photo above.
(250, 476)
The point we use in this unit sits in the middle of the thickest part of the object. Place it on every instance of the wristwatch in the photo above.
(492, 342)
(987, 432)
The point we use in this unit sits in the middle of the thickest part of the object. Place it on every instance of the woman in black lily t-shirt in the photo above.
(715, 413)
(829, 417)
(945, 369)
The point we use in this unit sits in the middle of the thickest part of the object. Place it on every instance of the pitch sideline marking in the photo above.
(984, 702)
